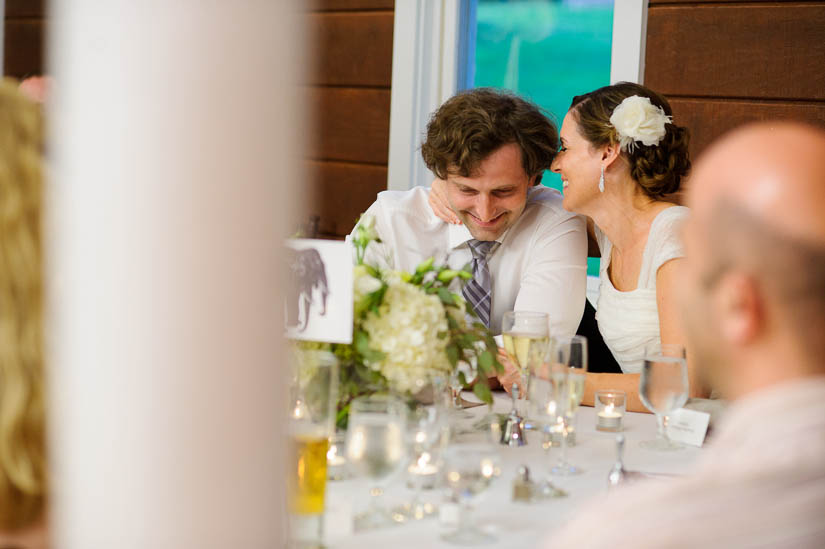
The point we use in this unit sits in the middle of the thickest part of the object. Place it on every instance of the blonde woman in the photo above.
(620, 156)
(23, 482)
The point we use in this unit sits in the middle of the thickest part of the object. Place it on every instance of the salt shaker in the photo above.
(513, 433)
(522, 485)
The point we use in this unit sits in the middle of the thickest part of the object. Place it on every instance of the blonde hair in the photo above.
(22, 431)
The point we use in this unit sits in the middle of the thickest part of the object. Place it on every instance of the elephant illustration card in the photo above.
(318, 292)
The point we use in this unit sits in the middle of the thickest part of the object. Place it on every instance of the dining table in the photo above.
(512, 523)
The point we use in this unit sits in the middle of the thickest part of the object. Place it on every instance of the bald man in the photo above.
(754, 309)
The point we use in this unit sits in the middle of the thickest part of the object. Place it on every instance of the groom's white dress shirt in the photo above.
(540, 265)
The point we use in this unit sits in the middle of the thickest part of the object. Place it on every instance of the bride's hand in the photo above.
(439, 204)
(511, 374)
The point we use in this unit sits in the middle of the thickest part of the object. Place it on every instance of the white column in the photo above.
(173, 143)
(433, 50)
(627, 60)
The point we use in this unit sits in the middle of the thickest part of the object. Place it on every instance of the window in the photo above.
(547, 51)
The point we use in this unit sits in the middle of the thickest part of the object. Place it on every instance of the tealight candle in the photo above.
(336, 460)
(610, 408)
(423, 472)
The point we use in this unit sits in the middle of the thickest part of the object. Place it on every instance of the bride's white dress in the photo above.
(629, 321)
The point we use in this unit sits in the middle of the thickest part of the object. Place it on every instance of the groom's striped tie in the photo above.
(478, 291)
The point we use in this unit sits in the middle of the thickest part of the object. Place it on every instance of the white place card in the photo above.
(318, 290)
(688, 426)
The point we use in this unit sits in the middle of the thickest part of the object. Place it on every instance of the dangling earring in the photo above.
(601, 181)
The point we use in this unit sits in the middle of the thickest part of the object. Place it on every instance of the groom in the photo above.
(526, 251)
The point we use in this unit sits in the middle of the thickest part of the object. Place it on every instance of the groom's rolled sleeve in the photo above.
(555, 278)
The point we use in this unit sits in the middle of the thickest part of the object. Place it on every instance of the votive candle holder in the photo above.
(610, 409)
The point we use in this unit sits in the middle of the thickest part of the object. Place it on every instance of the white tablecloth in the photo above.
(515, 524)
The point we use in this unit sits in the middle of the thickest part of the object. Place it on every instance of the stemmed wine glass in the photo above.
(425, 427)
(470, 469)
(663, 388)
(526, 337)
(377, 448)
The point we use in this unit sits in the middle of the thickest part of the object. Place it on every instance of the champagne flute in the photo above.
(470, 469)
(312, 410)
(526, 338)
(663, 388)
(376, 449)
(573, 352)
(567, 378)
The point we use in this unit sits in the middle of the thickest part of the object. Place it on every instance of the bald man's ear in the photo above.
(739, 309)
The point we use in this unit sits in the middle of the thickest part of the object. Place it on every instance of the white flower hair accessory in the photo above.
(637, 119)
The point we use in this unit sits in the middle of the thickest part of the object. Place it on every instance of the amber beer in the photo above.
(312, 409)
(308, 472)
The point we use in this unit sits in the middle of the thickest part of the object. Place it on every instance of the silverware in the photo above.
(619, 475)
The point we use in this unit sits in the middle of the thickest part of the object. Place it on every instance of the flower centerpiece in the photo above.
(409, 330)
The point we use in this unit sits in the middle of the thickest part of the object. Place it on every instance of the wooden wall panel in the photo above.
(708, 119)
(352, 125)
(344, 191)
(348, 91)
(23, 47)
(25, 8)
(749, 50)
(344, 5)
(352, 48)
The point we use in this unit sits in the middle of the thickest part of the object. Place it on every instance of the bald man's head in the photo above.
(756, 255)
(774, 171)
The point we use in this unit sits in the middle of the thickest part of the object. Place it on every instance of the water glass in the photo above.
(469, 471)
(377, 448)
(663, 388)
(425, 427)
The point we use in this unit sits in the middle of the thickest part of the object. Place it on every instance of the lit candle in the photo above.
(336, 461)
(423, 472)
(610, 406)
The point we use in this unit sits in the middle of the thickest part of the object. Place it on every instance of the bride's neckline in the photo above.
(607, 268)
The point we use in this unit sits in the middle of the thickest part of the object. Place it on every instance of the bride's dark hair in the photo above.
(658, 169)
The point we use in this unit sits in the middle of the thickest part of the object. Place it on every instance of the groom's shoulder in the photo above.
(547, 204)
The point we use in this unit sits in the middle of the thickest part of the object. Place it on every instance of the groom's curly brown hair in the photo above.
(473, 124)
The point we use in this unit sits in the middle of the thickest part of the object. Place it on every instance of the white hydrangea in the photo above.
(364, 283)
(406, 330)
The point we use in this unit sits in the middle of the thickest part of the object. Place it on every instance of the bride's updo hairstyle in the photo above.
(657, 168)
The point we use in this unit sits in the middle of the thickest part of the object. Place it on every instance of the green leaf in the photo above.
(452, 323)
(452, 354)
(498, 366)
(446, 296)
(485, 360)
(482, 391)
(362, 342)
(425, 266)
(447, 275)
